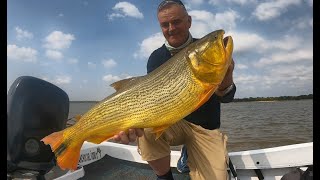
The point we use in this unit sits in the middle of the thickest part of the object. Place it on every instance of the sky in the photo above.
(83, 46)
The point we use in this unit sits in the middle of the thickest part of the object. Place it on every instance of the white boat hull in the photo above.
(272, 163)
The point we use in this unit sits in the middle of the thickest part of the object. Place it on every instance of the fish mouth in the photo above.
(228, 46)
(214, 44)
(227, 41)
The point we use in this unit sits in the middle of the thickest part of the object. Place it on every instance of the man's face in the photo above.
(175, 24)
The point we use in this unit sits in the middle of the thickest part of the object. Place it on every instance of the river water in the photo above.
(255, 125)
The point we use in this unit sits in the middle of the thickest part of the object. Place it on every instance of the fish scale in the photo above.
(156, 100)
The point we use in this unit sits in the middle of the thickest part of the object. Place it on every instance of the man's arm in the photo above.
(227, 88)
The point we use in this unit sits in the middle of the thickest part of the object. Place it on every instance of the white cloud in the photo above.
(61, 15)
(286, 57)
(251, 41)
(124, 9)
(277, 81)
(53, 54)
(201, 15)
(240, 2)
(200, 22)
(273, 9)
(204, 22)
(241, 66)
(127, 77)
(59, 79)
(148, 45)
(226, 20)
(196, 2)
(199, 29)
(292, 73)
(109, 63)
(247, 79)
(288, 77)
(21, 53)
(214, 2)
(110, 78)
(246, 41)
(23, 34)
(301, 23)
(287, 43)
(63, 79)
(58, 40)
(92, 65)
(115, 15)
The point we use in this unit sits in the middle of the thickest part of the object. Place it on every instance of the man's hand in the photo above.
(227, 81)
(124, 138)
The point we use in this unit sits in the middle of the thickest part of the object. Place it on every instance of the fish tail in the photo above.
(67, 152)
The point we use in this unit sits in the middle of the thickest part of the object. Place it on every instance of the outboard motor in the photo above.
(35, 109)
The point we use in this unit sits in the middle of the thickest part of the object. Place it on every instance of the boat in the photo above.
(30, 117)
(110, 160)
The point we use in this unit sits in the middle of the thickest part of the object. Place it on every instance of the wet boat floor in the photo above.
(112, 168)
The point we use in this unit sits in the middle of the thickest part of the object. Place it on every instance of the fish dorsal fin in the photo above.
(125, 82)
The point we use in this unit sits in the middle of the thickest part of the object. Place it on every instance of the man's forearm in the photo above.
(227, 83)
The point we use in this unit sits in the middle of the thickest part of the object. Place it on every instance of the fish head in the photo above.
(210, 57)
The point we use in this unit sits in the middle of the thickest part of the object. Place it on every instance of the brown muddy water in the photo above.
(254, 125)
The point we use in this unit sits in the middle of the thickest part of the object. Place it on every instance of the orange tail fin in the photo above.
(67, 153)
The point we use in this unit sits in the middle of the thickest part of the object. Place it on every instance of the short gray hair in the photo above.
(167, 2)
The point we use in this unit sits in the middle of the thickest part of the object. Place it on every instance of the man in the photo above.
(199, 131)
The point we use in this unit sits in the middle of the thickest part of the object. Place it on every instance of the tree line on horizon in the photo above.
(280, 98)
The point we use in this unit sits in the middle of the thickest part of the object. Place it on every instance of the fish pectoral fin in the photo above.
(159, 130)
(77, 117)
(97, 139)
(124, 82)
(205, 96)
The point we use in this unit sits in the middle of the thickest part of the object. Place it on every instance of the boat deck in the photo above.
(111, 168)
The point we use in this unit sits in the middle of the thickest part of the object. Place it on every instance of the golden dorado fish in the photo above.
(157, 100)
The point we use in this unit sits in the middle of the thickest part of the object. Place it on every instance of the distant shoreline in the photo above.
(268, 101)
(257, 99)
(272, 99)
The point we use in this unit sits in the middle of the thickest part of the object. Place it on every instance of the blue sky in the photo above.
(83, 46)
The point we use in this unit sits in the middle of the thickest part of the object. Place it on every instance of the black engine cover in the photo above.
(35, 108)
